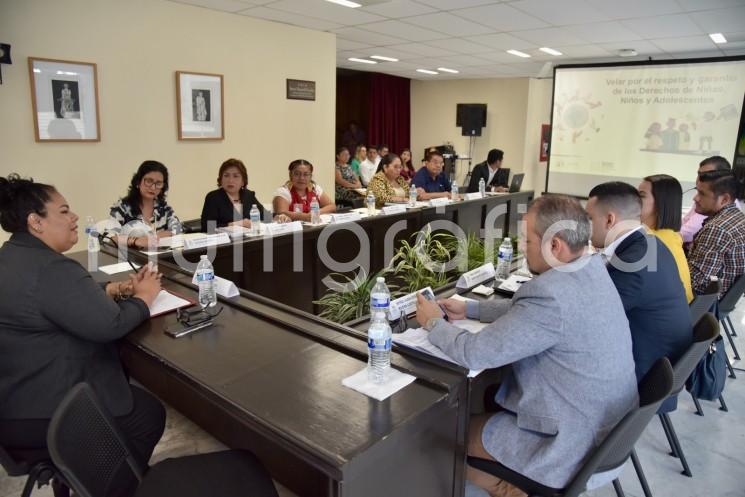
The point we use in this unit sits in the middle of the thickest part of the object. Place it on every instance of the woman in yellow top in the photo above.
(388, 185)
(662, 201)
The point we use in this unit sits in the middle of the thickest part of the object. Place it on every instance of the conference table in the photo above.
(290, 268)
(267, 376)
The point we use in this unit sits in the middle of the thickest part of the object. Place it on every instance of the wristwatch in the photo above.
(431, 323)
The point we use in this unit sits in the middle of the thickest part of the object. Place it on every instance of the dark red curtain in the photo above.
(390, 112)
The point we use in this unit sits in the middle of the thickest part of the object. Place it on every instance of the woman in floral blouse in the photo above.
(145, 203)
(387, 185)
(346, 180)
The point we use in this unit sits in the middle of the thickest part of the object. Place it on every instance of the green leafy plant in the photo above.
(351, 299)
(420, 264)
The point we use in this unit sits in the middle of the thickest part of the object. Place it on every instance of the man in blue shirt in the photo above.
(430, 181)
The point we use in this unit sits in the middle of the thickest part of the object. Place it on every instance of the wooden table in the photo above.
(267, 377)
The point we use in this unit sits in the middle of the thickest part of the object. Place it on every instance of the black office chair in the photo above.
(726, 306)
(704, 333)
(37, 464)
(97, 461)
(615, 450)
(698, 307)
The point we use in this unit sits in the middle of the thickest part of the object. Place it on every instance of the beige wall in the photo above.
(516, 108)
(138, 45)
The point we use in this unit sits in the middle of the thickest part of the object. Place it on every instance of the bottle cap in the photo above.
(380, 279)
(202, 257)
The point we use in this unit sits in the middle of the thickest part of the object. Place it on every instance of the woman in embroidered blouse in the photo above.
(346, 180)
(145, 203)
(407, 168)
(387, 185)
(293, 199)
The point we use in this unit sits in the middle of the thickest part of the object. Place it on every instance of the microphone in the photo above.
(102, 237)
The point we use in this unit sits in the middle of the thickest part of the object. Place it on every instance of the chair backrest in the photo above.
(88, 448)
(702, 303)
(730, 299)
(704, 332)
(654, 388)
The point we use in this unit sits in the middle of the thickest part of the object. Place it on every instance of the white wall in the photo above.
(138, 45)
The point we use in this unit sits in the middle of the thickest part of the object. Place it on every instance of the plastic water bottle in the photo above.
(255, 216)
(370, 204)
(174, 226)
(505, 259)
(380, 297)
(378, 348)
(482, 188)
(92, 234)
(454, 192)
(315, 212)
(412, 196)
(206, 282)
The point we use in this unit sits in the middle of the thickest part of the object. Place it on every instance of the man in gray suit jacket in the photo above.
(567, 338)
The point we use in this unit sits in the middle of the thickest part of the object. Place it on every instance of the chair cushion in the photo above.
(224, 474)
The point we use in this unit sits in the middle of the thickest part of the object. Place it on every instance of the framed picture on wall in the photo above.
(199, 103)
(64, 98)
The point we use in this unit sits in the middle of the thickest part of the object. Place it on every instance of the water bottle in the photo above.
(174, 226)
(412, 196)
(370, 204)
(380, 297)
(92, 234)
(482, 188)
(505, 259)
(454, 192)
(255, 216)
(378, 348)
(206, 282)
(315, 212)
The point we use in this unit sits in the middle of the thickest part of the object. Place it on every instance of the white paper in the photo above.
(224, 288)
(418, 205)
(166, 302)
(238, 232)
(380, 391)
(476, 276)
(407, 303)
(439, 201)
(117, 268)
(472, 196)
(418, 338)
(483, 290)
(513, 283)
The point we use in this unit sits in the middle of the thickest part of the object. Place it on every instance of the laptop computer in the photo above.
(517, 182)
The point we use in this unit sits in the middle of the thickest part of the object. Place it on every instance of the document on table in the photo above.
(167, 302)
(418, 339)
(117, 268)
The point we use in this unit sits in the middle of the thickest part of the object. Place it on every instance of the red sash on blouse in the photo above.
(309, 196)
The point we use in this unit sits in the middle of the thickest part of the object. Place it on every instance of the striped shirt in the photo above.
(718, 249)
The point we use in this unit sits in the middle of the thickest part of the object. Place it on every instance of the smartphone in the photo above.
(178, 329)
(427, 294)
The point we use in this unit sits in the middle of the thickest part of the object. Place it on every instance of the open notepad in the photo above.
(418, 339)
(167, 302)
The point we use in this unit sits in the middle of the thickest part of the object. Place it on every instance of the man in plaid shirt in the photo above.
(719, 248)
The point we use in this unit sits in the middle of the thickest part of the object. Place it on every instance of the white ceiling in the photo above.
(472, 36)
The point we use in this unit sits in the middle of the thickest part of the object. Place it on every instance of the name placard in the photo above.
(347, 217)
(394, 209)
(476, 276)
(273, 229)
(224, 288)
(407, 303)
(472, 196)
(206, 241)
(439, 201)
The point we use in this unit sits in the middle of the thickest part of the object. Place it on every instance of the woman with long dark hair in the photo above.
(293, 199)
(145, 203)
(407, 169)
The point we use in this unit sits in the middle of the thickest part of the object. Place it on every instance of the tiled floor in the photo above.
(714, 446)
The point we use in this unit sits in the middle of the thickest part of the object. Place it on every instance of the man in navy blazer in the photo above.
(645, 275)
(492, 172)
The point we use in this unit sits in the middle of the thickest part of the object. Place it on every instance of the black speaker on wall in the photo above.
(471, 118)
